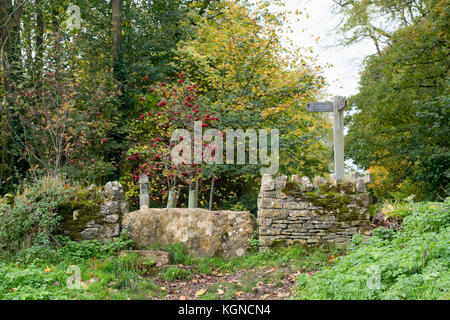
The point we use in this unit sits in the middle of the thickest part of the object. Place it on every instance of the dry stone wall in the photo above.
(297, 210)
(104, 223)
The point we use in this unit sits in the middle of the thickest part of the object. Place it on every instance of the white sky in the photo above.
(343, 77)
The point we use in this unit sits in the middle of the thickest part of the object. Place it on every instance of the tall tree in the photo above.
(403, 102)
(116, 29)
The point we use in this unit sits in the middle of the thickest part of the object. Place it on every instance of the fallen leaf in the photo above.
(182, 298)
(200, 292)
(282, 295)
(47, 270)
(220, 292)
(238, 293)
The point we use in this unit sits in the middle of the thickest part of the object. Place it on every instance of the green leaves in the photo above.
(408, 264)
(401, 119)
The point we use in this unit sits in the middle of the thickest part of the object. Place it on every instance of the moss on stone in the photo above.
(335, 228)
(278, 244)
(87, 204)
(292, 189)
(332, 198)
(347, 216)
(330, 201)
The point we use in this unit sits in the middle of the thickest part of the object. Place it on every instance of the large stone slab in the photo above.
(203, 232)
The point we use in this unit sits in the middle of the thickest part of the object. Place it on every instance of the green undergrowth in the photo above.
(306, 258)
(115, 277)
(105, 274)
(413, 263)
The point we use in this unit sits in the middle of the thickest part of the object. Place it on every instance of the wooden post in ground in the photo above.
(144, 198)
(337, 107)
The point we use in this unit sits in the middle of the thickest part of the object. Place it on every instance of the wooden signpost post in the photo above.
(144, 198)
(337, 107)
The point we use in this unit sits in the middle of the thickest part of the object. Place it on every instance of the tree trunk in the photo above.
(39, 42)
(116, 29)
(9, 58)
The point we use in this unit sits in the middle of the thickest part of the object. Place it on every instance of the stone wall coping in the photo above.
(269, 183)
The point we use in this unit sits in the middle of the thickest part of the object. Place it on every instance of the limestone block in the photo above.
(109, 207)
(263, 221)
(90, 233)
(280, 182)
(295, 205)
(203, 232)
(109, 231)
(360, 186)
(112, 218)
(123, 206)
(267, 183)
(306, 185)
(269, 203)
(114, 191)
(299, 213)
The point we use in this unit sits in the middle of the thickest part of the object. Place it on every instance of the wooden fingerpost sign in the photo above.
(337, 107)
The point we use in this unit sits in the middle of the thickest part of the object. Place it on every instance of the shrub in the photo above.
(409, 264)
(75, 251)
(33, 218)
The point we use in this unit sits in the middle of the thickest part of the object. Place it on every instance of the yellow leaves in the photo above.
(220, 292)
(283, 295)
(274, 110)
(200, 292)
(47, 270)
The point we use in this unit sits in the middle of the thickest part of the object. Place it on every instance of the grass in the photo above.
(174, 273)
(227, 291)
(305, 258)
(133, 277)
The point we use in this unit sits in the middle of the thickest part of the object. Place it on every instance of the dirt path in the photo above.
(261, 283)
